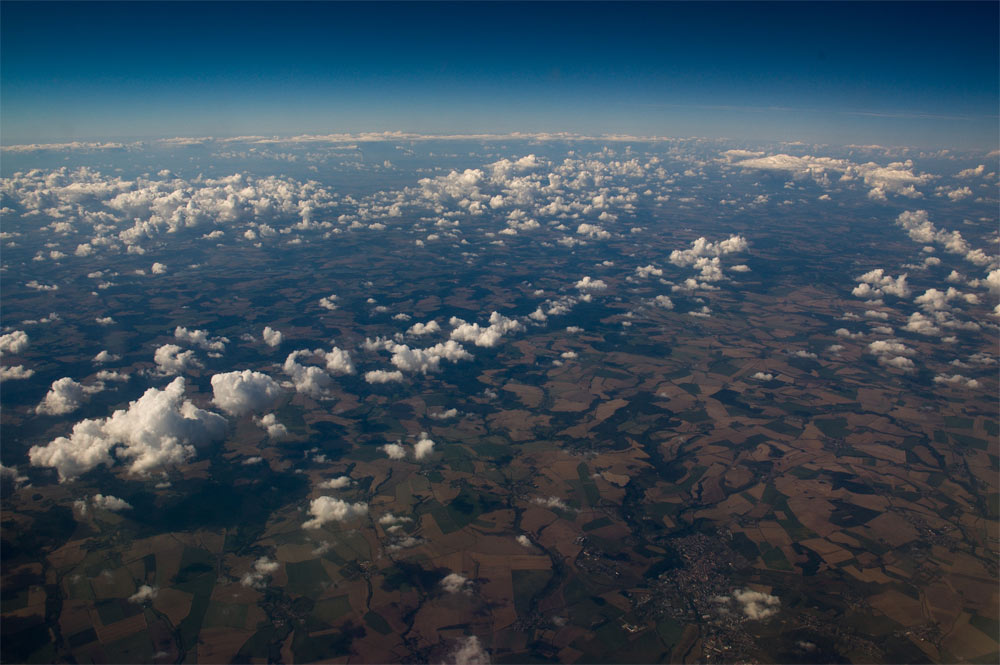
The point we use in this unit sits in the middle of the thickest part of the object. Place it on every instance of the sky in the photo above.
(920, 74)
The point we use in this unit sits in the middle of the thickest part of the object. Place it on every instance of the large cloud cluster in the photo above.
(591, 192)
(117, 213)
(920, 229)
(895, 177)
(158, 430)
(705, 257)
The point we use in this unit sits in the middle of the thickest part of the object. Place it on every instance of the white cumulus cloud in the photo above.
(66, 396)
(327, 509)
(144, 594)
(171, 359)
(270, 424)
(238, 393)
(159, 429)
(14, 342)
(272, 337)
(500, 325)
(423, 447)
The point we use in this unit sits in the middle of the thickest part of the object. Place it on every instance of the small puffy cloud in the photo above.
(144, 594)
(523, 541)
(272, 337)
(15, 372)
(957, 380)
(159, 429)
(158, 268)
(329, 302)
(106, 357)
(488, 336)
(976, 172)
(588, 284)
(327, 509)
(844, 332)
(14, 342)
(403, 543)
(592, 231)
(551, 502)
(763, 376)
(383, 376)
(646, 271)
(256, 577)
(959, 193)
(270, 424)
(469, 652)
(394, 450)
(338, 361)
(756, 604)
(337, 483)
(885, 347)
(390, 520)
(424, 447)
(663, 301)
(428, 328)
(456, 583)
(443, 415)
(201, 339)
(65, 396)
(171, 359)
(899, 362)
(108, 502)
(993, 281)
(920, 324)
(308, 379)
(238, 393)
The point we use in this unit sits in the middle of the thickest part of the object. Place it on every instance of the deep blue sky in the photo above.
(921, 73)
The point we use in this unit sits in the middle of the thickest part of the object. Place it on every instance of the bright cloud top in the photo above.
(158, 430)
